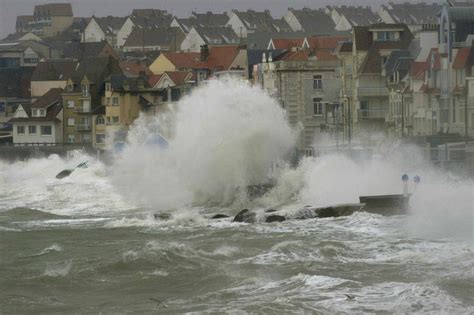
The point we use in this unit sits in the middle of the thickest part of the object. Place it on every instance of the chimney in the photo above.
(204, 52)
(264, 58)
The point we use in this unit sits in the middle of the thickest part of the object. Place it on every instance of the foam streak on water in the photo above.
(90, 243)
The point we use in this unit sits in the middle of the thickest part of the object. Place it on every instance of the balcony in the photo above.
(83, 127)
(367, 114)
(82, 110)
(373, 91)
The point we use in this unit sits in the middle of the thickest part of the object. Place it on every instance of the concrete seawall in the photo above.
(16, 152)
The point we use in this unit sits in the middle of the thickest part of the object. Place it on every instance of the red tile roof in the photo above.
(325, 42)
(179, 77)
(299, 55)
(154, 78)
(183, 59)
(325, 55)
(221, 57)
(287, 43)
(417, 70)
(461, 58)
(134, 68)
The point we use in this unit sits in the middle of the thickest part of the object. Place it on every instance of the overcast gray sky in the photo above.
(10, 9)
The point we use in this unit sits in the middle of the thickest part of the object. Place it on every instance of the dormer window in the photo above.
(85, 90)
(42, 112)
(386, 36)
(108, 86)
(70, 87)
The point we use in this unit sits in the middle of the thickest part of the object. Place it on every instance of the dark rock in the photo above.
(275, 218)
(162, 216)
(219, 216)
(245, 216)
(270, 210)
(306, 213)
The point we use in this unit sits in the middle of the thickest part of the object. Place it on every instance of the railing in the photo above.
(83, 110)
(42, 144)
(83, 127)
(372, 114)
(373, 91)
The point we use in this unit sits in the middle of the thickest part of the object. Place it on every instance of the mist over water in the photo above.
(90, 243)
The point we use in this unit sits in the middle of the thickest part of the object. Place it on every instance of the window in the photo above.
(32, 130)
(115, 101)
(100, 138)
(20, 130)
(70, 104)
(34, 113)
(386, 36)
(70, 121)
(42, 112)
(99, 120)
(85, 90)
(108, 119)
(317, 82)
(115, 119)
(364, 108)
(309, 151)
(107, 101)
(71, 138)
(317, 106)
(86, 106)
(46, 130)
(108, 86)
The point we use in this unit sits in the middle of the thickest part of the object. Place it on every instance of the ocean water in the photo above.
(90, 243)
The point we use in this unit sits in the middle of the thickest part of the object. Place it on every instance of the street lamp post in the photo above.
(401, 93)
(348, 100)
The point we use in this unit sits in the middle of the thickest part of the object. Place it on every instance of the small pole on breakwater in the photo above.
(405, 184)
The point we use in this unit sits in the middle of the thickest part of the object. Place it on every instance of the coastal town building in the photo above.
(41, 122)
(82, 96)
(48, 20)
(346, 17)
(160, 39)
(49, 74)
(104, 28)
(211, 36)
(250, 21)
(80, 50)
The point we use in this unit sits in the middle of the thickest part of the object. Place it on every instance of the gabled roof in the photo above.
(254, 56)
(134, 68)
(154, 79)
(221, 57)
(260, 40)
(149, 12)
(178, 77)
(417, 70)
(413, 13)
(152, 21)
(119, 82)
(399, 60)
(94, 68)
(110, 24)
(183, 59)
(325, 42)
(186, 24)
(281, 25)
(79, 50)
(23, 20)
(19, 37)
(259, 21)
(140, 37)
(49, 98)
(217, 35)
(357, 16)
(462, 58)
(286, 43)
(316, 22)
(51, 101)
(210, 19)
(53, 9)
(54, 70)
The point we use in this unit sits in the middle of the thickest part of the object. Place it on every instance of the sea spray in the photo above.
(225, 136)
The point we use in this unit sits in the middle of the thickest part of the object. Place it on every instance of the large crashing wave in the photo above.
(224, 136)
